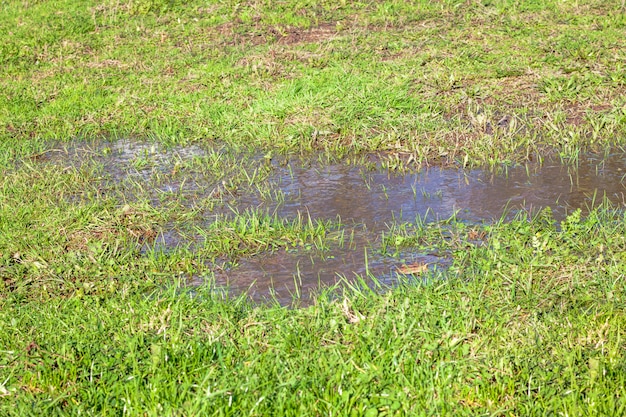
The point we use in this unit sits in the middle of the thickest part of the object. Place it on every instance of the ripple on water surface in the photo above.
(375, 199)
(367, 201)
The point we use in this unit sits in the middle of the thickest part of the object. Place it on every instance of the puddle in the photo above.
(375, 198)
(132, 170)
(122, 159)
(367, 202)
(283, 275)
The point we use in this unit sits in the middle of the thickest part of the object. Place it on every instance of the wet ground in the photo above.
(375, 198)
(366, 199)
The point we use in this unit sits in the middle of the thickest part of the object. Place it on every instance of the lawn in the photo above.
(202, 102)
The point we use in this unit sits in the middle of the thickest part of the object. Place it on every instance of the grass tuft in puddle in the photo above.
(253, 232)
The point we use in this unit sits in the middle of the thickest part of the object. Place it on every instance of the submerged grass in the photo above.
(529, 324)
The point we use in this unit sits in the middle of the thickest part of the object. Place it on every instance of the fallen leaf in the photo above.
(475, 235)
(416, 268)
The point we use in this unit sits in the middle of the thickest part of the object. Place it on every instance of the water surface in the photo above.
(367, 201)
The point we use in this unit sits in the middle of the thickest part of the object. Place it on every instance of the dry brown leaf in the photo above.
(415, 268)
(476, 235)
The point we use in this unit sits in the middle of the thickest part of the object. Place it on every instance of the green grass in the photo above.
(211, 99)
(252, 232)
(529, 324)
(429, 80)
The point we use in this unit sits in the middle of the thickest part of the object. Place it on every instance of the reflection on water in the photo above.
(366, 200)
(283, 275)
(373, 200)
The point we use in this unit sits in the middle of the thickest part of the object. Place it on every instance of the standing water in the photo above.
(367, 201)
(373, 200)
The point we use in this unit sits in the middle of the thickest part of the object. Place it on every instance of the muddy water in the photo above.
(128, 165)
(373, 200)
(367, 201)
